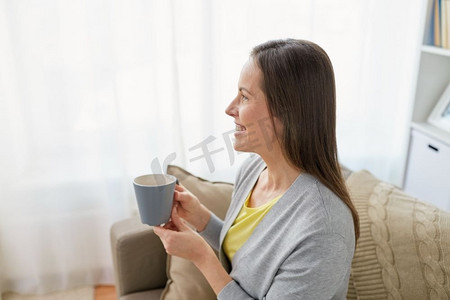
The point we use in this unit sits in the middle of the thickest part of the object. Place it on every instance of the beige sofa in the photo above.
(403, 252)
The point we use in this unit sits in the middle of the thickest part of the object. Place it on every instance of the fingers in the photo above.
(175, 203)
(163, 234)
(171, 226)
(164, 231)
(184, 243)
(179, 188)
(177, 221)
(160, 231)
(180, 196)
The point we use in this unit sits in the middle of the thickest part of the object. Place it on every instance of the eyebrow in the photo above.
(244, 89)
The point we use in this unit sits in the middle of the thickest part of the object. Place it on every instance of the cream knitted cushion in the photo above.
(404, 248)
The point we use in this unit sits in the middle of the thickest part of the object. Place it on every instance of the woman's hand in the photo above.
(190, 208)
(180, 240)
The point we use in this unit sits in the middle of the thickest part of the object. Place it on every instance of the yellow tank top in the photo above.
(244, 225)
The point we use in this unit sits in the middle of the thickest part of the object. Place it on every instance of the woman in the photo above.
(291, 228)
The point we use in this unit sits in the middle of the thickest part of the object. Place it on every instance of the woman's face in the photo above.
(254, 128)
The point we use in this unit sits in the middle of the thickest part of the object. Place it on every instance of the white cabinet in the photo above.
(428, 171)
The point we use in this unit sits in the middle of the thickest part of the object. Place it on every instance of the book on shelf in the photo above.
(440, 23)
(445, 23)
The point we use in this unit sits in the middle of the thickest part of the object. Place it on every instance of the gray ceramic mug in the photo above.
(154, 195)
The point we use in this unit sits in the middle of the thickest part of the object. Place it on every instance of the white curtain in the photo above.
(94, 93)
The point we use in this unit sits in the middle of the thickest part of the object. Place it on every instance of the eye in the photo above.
(243, 98)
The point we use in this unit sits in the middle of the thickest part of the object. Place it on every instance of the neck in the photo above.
(280, 173)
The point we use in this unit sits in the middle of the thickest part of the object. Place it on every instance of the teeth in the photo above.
(240, 128)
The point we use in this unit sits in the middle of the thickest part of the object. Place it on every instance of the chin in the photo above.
(240, 148)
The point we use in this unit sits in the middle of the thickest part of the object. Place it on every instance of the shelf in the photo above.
(436, 50)
(427, 167)
(432, 131)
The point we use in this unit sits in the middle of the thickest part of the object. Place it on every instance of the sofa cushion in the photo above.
(185, 281)
(404, 248)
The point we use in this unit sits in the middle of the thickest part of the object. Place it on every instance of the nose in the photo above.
(232, 109)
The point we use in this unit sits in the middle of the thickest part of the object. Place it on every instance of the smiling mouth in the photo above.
(239, 128)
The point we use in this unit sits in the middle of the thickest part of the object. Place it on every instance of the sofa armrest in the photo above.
(139, 257)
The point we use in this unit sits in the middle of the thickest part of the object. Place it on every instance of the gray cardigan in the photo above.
(302, 248)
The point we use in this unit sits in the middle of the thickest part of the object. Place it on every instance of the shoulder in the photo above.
(319, 211)
(336, 212)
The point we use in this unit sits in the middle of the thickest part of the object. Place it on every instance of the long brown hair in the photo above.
(298, 81)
